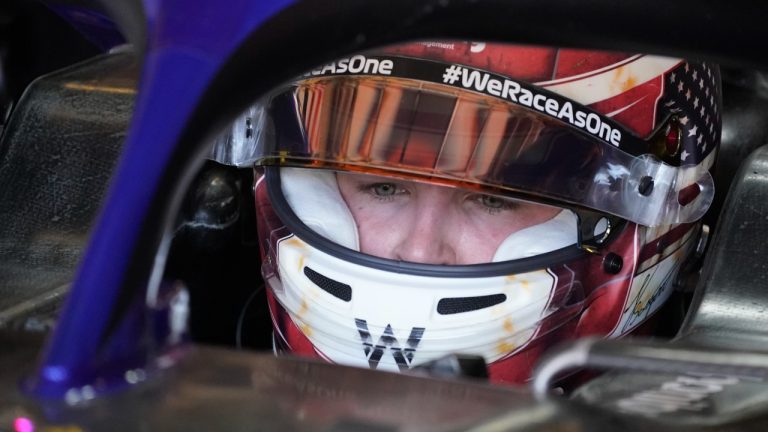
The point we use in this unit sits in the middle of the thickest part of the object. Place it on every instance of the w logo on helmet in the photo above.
(403, 356)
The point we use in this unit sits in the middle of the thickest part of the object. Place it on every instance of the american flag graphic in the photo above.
(693, 94)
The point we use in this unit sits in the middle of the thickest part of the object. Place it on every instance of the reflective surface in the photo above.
(56, 158)
(424, 130)
(261, 392)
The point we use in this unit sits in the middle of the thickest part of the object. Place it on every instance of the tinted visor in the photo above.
(435, 131)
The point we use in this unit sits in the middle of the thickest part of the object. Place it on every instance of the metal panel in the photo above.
(218, 390)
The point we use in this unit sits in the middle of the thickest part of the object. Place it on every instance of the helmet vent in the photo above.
(332, 287)
(454, 305)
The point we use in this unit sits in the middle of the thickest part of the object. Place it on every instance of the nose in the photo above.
(427, 238)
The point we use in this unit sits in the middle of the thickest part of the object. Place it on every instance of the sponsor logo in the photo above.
(442, 45)
(484, 82)
(358, 64)
(685, 393)
(387, 342)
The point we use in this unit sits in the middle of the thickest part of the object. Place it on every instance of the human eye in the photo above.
(493, 204)
(383, 191)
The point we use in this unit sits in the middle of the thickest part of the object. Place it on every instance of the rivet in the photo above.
(612, 263)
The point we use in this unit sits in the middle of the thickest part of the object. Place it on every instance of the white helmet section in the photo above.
(314, 196)
(393, 321)
(554, 234)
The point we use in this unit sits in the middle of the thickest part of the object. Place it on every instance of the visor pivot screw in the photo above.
(612, 263)
(646, 186)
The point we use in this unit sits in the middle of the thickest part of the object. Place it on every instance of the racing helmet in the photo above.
(461, 197)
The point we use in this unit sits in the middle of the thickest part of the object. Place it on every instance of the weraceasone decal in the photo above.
(358, 64)
(523, 94)
(508, 89)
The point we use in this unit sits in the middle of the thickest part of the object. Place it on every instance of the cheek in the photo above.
(476, 251)
(378, 229)
(478, 239)
(376, 222)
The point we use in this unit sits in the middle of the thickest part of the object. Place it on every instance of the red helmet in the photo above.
(453, 197)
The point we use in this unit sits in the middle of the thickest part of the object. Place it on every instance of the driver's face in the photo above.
(431, 224)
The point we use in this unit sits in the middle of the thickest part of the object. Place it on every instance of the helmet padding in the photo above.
(554, 234)
(315, 198)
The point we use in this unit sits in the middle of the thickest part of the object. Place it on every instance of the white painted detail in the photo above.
(612, 82)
